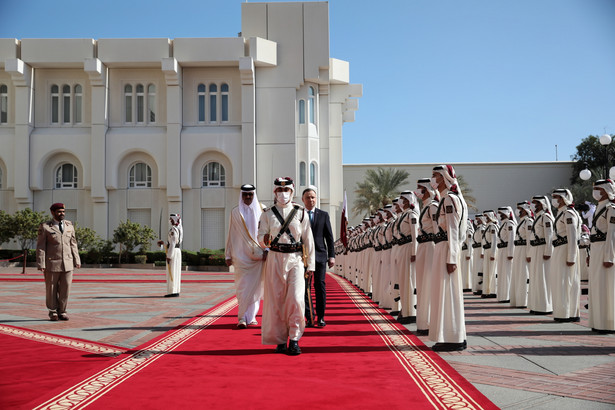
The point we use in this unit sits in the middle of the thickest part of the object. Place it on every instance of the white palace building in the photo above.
(134, 128)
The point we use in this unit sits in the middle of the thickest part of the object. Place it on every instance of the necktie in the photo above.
(61, 226)
(311, 216)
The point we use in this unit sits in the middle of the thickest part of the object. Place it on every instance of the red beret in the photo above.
(56, 206)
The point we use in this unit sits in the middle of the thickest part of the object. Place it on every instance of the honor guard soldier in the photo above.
(539, 292)
(506, 252)
(477, 254)
(490, 242)
(521, 265)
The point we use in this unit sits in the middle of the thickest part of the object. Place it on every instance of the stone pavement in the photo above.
(517, 360)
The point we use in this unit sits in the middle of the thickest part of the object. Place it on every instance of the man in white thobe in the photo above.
(539, 292)
(521, 266)
(601, 263)
(506, 252)
(174, 255)
(447, 322)
(246, 255)
(285, 230)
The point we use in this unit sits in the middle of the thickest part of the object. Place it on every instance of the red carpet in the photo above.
(361, 360)
(34, 362)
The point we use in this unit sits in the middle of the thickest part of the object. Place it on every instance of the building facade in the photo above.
(136, 129)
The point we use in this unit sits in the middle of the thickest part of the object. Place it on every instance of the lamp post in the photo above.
(605, 141)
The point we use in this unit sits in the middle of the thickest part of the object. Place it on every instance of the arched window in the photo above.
(151, 102)
(66, 104)
(55, 104)
(312, 105)
(224, 98)
(4, 104)
(66, 176)
(140, 103)
(313, 173)
(128, 103)
(201, 101)
(140, 176)
(302, 172)
(213, 175)
(213, 94)
(301, 111)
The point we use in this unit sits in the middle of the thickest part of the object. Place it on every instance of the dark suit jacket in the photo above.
(323, 236)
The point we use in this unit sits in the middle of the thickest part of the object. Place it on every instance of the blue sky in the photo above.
(443, 80)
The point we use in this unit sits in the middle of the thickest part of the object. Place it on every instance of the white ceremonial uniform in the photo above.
(602, 279)
(387, 271)
(447, 320)
(247, 256)
(506, 249)
(490, 241)
(539, 292)
(408, 228)
(566, 280)
(477, 258)
(284, 299)
(424, 261)
(174, 267)
(521, 267)
(466, 259)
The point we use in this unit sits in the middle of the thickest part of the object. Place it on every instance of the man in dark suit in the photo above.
(325, 254)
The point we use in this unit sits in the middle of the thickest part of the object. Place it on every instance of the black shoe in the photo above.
(309, 323)
(281, 348)
(63, 316)
(321, 322)
(575, 319)
(394, 312)
(171, 295)
(53, 316)
(293, 348)
(449, 347)
(504, 301)
(422, 332)
(467, 290)
(478, 293)
(561, 319)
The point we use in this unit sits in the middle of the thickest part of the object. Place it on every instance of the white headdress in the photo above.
(251, 213)
(565, 194)
(608, 186)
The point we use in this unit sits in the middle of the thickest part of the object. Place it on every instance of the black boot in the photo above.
(293, 348)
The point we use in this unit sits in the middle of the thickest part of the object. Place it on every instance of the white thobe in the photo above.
(477, 258)
(447, 320)
(539, 292)
(521, 267)
(424, 260)
(174, 267)
(284, 300)
(490, 241)
(566, 280)
(602, 279)
(408, 227)
(505, 265)
(466, 259)
(247, 258)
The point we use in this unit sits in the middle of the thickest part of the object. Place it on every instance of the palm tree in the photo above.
(378, 189)
(467, 193)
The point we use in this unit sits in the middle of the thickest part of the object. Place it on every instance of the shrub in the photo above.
(141, 259)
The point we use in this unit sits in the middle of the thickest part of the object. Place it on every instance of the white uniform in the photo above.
(424, 261)
(408, 229)
(521, 267)
(566, 280)
(490, 241)
(602, 279)
(477, 259)
(447, 321)
(247, 256)
(284, 300)
(539, 293)
(466, 259)
(174, 254)
(506, 249)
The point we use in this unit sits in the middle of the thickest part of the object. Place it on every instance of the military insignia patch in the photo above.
(433, 217)
(548, 224)
(449, 209)
(569, 221)
(613, 219)
(510, 228)
(413, 221)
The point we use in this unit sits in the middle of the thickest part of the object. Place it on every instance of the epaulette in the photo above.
(266, 209)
